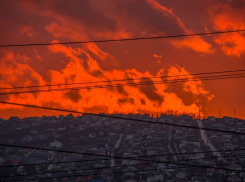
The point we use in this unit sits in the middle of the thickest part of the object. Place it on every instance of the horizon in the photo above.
(42, 63)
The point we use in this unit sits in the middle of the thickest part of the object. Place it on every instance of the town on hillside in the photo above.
(122, 148)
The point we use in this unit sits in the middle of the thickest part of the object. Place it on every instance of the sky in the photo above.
(28, 22)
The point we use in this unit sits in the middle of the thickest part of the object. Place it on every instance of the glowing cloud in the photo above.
(26, 30)
(153, 98)
(224, 17)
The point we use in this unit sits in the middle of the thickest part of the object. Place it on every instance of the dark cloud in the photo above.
(188, 98)
(125, 100)
(150, 91)
(14, 17)
(142, 101)
(4, 97)
(177, 88)
(84, 13)
(26, 78)
(121, 90)
(84, 61)
(71, 78)
(141, 14)
(73, 95)
(237, 4)
(52, 105)
(96, 109)
(96, 73)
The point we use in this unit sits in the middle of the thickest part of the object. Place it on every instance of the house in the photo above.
(129, 162)
(180, 174)
(161, 166)
(61, 129)
(236, 167)
(56, 144)
(195, 143)
(33, 132)
(112, 134)
(53, 167)
(129, 137)
(2, 160)
(128, 180)
(78, 179)
(228, 146)
(150, 152)
(107, 174)
(211, 118)
(92, 135)
(73, 139)
(15, 162)
(35, 121)
(101, 133)
(27, 138)
(242, 174)
(82, 126)
(153, 178)
(42, 137)
(100, 151)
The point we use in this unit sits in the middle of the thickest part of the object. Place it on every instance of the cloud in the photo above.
(79, 63)
(26, 30)
(73, 95)
(228, 16)
(114, 20)
(37, 55)
(139, 98)
(158, 61)
(195, 43)
(15, 72)
(190, 92)
(161, 21)
(157, 56)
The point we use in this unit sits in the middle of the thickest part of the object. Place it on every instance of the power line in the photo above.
(172, 162)
(129, 79)
(99, 168)
(115, 172)
(133, 158)
(52, 172)
(132, 84)
(118, 117)
(100, 174)
(117, 40)
(116, 157)
(100, 155)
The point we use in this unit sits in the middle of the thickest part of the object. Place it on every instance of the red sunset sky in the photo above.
(29, 21)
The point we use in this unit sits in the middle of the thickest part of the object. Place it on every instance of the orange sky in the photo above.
(59, 21)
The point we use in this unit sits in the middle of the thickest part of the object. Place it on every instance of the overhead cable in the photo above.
(240, 75)
(120, 80)
(137, 159)
(116, 172)
(118, 117)
(120, 40)
(171, 162)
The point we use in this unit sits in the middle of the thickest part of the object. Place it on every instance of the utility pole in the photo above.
(199, 113)
(220, 114)
(234, 113)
